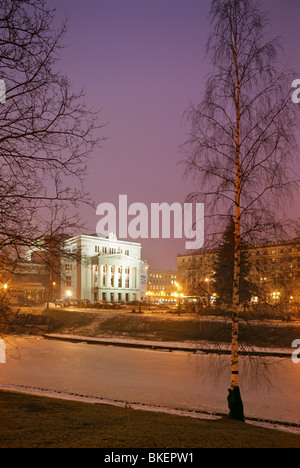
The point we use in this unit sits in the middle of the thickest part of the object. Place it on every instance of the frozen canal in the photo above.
(172, 379)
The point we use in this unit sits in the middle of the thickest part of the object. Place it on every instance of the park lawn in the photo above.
(167, 328)
(40, 422)
(157, 327)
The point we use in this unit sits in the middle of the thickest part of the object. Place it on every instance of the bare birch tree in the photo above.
(241, 144)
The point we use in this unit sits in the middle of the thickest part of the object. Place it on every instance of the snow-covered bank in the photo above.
(187, 346)
(281, 426)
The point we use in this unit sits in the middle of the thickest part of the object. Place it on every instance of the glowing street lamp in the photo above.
(4, 290)
(69, 294)
(275, 295)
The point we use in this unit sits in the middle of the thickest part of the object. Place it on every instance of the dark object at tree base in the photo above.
(235, 404)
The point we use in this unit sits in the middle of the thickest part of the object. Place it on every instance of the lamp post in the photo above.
(69, 295)
(148, 293)
(179, 295)
(4, 291)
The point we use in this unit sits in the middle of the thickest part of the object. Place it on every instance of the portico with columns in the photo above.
(108, 270)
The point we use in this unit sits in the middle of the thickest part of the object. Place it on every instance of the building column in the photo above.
(108, 276)
(123, 277)
(115, 276)
(99, 278)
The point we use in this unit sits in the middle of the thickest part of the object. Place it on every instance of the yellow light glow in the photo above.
(5, 286)
(69, 293)
(275, 294)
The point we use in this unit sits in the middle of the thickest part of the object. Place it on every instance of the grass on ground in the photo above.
(166, 328)
(38, 422)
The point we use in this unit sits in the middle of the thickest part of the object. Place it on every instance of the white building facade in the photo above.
(103, 269)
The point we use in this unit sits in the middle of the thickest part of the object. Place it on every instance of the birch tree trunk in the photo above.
(234, 398)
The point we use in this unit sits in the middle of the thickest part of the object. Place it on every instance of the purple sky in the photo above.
(142, 62)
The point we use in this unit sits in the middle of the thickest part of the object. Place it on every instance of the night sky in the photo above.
(142, 62)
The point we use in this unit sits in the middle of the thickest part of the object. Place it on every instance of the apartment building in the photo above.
(163, 285)
(274, 270)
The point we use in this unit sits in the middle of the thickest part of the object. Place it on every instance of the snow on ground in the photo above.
(139, 406)
(194, 346)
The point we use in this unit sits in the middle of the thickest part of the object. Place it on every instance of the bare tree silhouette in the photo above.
(47, 133)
